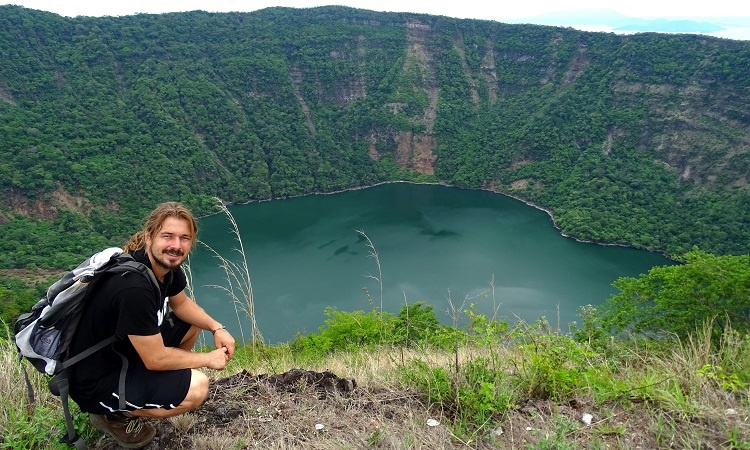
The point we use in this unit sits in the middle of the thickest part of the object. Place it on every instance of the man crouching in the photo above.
(150, 372)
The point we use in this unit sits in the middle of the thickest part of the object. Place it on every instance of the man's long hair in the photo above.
(155, 221)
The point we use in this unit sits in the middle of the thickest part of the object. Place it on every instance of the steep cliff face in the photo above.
(415, 150)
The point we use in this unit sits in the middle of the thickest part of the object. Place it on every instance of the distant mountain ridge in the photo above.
(671, 26)
(618, 22)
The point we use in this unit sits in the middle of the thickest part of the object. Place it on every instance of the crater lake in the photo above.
(448, 247)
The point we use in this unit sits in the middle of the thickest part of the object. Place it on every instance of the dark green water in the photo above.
(434, 243)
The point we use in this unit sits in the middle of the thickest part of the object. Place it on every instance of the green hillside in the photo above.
(638, 140)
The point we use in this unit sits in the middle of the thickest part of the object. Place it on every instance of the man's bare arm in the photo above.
(189, 311)
(156, 356)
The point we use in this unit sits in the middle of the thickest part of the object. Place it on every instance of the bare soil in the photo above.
(302, 409)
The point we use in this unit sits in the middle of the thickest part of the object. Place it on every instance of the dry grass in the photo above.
(673, 407)
(237, 281)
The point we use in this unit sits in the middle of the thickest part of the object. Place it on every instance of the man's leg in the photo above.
(137, 434)
(190, 338)
(178, 333)
(195, 397)
(127, 428)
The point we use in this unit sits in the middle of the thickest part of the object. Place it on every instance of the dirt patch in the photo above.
(520, 184)
(7, 97)
(46, 206)
(577, 66)
(301, 409)
(32, 276)
(295, 409)
(61, 197)
(489, 71)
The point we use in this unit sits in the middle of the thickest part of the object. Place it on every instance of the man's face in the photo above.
(169, 246)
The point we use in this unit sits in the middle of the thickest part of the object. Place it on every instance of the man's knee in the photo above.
(198, 390)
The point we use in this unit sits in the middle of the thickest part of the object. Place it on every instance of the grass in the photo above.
(501, 396)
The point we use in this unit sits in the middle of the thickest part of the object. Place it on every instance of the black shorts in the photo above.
(147, 389)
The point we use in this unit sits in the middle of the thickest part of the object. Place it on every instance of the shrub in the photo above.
(550, 366)
(678, 300)
(415, 324)
(346, 331)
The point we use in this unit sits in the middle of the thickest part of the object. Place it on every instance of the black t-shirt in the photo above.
(122, 305)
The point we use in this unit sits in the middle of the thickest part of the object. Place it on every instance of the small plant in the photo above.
(484, 330)
(24, 432)
(609, 429)
(343, 331)
(728, 381)
(664, 431)
(591, 331)
(473, 399)
(183, 422)
(551, 366)
(556, 440)
(735, 441)
(376, 436)
(485, 395)
(434, 383)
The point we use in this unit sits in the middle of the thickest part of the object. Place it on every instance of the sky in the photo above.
(465, 9)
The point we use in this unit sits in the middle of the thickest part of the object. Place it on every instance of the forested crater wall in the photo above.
(636, 140)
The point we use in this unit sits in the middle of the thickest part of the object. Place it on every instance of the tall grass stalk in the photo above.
(187, 268)
(238, 283)
(373, 253)
(453, 312)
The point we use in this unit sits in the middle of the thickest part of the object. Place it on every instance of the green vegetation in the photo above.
(636, 140)
(677, 300)
(17, 297)
(641, 391)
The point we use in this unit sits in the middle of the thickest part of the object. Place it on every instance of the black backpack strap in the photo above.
(89, 351)
(127, 261)
(121, 384)
(29, 388)
(61, 384)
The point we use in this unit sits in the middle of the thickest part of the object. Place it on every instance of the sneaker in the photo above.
(129, 432)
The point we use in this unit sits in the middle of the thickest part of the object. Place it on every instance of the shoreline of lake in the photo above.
(494, 191)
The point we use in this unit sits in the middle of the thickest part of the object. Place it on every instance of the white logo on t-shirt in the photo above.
(163, 312)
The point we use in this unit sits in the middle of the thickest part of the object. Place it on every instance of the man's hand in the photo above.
(218, 359)
(222, 339)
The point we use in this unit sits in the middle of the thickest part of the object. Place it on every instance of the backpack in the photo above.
(43, 335)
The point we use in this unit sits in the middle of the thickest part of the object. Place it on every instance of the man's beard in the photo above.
(164, 263)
